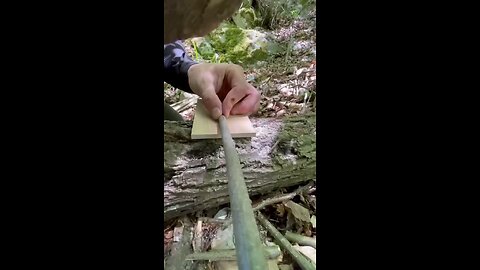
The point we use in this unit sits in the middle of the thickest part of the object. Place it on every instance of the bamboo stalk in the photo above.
(301, 260)
(229, 254)
(300, 239)
(247, 238)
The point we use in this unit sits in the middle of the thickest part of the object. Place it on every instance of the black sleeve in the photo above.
(175, 66)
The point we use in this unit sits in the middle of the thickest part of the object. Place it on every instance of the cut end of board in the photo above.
(205, 127)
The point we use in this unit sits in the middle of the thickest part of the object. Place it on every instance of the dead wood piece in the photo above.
(299, 258)
(279, 199)
(301, 240)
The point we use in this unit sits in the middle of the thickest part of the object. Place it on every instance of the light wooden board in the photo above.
(205, 127)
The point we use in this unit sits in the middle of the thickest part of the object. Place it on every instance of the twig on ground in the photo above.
(185, 104)
(300, 239)
(170, 226)
(214, 220)
(198, 237)
(281, 198)
(300, 259)
(274, 145)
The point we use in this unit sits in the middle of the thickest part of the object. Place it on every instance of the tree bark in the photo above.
(281, 155)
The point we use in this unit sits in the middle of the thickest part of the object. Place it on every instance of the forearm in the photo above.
(175, 66)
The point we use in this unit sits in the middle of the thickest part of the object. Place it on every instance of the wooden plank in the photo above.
(205, 127)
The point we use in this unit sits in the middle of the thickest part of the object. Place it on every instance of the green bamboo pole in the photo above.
(301, 260)
(248, 246)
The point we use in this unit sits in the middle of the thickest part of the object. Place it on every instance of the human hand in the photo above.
(223, 89)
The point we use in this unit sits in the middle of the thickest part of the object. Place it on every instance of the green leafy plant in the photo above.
(195, 49)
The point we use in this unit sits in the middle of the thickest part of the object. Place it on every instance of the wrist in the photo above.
(193, 66)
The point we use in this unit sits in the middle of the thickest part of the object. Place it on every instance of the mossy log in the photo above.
(282, 154)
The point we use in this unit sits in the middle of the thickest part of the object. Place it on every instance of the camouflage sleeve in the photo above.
(175, 65)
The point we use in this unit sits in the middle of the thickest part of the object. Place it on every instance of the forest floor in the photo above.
(287, 84)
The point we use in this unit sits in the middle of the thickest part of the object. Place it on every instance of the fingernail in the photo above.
(216, 113)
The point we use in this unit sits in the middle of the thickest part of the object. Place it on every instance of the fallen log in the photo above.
(281, 155)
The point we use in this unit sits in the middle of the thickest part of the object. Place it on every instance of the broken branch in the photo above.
(301, 260)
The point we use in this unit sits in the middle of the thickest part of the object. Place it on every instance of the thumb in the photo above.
(212, 103)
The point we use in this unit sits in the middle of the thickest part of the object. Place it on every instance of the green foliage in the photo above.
(247, 3)
(230, 44)
(228, 38)
(204, 50)
(225, 42)
(235, 42)
(195, 49)
(274, 12)
(246, 18)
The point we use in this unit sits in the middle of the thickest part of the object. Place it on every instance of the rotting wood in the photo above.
(195, 172)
